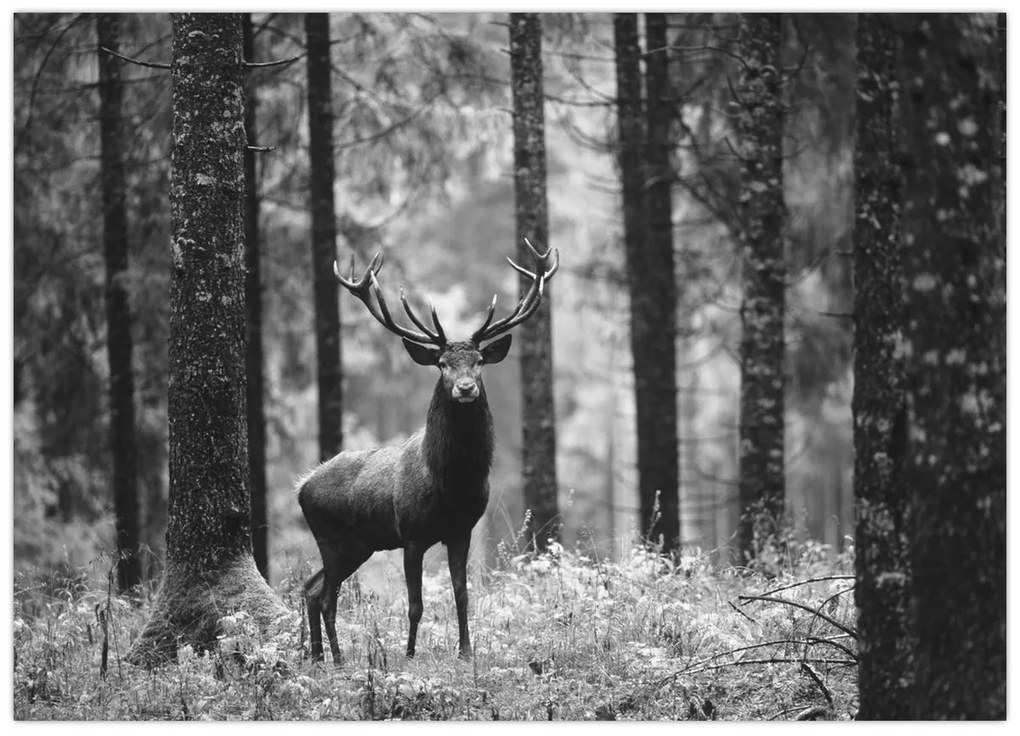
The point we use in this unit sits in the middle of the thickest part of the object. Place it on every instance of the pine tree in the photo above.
(123, 447)
(253, 302)
(652, 327)
(322, 175)
(209, 569)
(658, 279)
(954, 261)
(762, 217)
(879, 407)
(538, 460)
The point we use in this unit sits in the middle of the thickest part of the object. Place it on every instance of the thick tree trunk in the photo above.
(879, 402)
(209, 569)
(253, 302)
(658, 280)
(656, 443)
(955, 342)
(123, 447)
(538, 410)
(321, 168)
(762, 218)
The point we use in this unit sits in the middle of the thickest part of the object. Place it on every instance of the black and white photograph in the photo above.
(449, 364)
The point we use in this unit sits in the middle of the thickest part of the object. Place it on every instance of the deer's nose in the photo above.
(465, 390)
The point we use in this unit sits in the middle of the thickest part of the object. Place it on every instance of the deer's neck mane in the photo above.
(458, 441)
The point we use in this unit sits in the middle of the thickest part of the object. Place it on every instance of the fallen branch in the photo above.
(829, 619)
(799, 583)
(773, 660)
(832, 643)
(806, 667)
(811, 714)
(784, 711)
(742, 613)
(775, 642)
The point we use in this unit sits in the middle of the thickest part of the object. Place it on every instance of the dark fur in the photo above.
(431, 488)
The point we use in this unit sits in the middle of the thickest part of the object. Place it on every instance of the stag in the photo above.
(431, 488)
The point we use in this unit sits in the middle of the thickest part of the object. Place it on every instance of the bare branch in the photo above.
(266, 64)
(795, 604)
(139, 62)
(806, 667)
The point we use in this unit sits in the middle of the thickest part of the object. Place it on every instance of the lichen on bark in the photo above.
(209, 569)
(882, 566)
(954, 268)
(760, 111)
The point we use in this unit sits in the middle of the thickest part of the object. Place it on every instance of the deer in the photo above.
(432, 488)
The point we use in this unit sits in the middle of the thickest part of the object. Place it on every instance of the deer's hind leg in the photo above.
(338, 565)
(313, 602)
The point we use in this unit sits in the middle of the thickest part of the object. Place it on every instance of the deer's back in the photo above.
(386, 497)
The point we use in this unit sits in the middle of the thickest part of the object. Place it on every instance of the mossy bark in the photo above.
(879, 403)
(954, 261)
(324, 283)
(209, 568)
(123, 445)
(538, 406)
(762, 221)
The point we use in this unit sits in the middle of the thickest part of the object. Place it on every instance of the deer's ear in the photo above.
(495, 351)
(421, 354)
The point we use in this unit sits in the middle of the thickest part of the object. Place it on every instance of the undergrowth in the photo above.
(560, 636)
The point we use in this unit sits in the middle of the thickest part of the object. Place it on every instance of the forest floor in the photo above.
(559, 636)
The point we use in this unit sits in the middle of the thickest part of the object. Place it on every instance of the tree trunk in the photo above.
(253, 300)
(762, 216)
(123, 447)
(538, 407)
(657, 280)
(321, 168)
(209, 568)
(656, 444)
(955, 342)
(879, 404)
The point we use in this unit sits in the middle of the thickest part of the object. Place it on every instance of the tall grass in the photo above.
(562, 635)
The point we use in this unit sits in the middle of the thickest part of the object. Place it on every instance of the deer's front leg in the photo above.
(413, 554)
(457, 551)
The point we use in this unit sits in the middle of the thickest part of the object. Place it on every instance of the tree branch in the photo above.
(139, 62)
(266, 64)
(795, 604)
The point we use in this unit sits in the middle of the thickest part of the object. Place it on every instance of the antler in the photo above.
(368, 285)
(528, 303)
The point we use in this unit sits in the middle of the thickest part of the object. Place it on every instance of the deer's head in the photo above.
(459, 361)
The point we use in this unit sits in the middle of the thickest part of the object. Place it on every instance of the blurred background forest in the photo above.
(424, 173)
